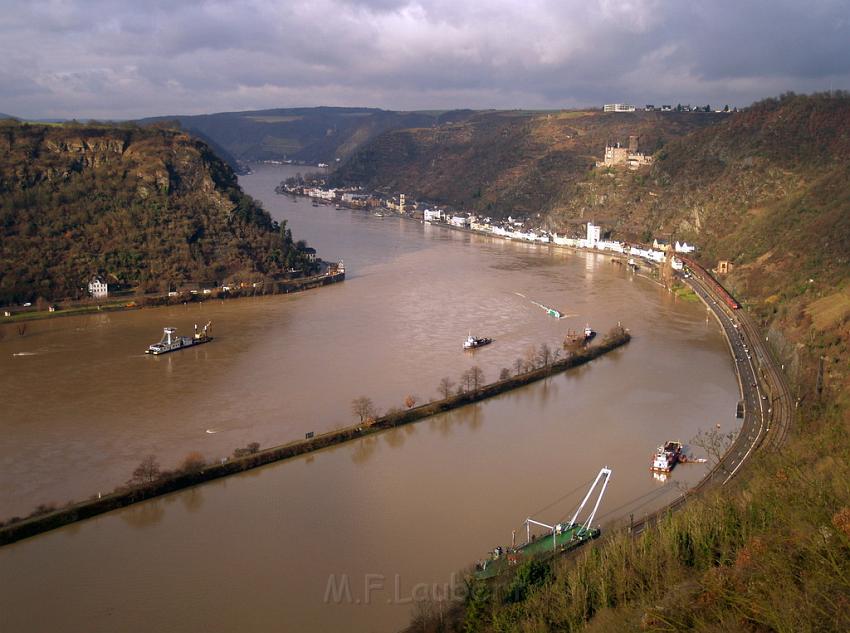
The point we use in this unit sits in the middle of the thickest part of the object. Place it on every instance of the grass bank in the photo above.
(136, 303)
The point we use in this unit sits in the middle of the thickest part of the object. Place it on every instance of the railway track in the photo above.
(768, 404)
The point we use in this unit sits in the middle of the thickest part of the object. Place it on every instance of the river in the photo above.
(397, 512)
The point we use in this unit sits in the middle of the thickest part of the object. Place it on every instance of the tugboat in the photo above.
(170, 342)
(472, 343)
(564, 536)
(666, 457)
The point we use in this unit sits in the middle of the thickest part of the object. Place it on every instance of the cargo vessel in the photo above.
(170, 342)
(666, 457)
(472, 342)
(561, 537)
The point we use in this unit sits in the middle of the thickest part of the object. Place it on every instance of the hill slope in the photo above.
(502, 163)
(311, 135)
(146, 207)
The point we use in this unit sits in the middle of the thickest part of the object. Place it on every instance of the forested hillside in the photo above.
(502, 163)
(147, 208)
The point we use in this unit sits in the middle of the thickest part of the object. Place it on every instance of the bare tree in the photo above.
(445, 387)
(363, 408)
(466, 380)
(504, 374)
(410, 401)
(530, 359)
(714, 443)
(518, 366)
(476, 377)
(146, 472)
(544, 355)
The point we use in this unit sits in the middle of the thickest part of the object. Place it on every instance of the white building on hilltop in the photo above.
(618, 107)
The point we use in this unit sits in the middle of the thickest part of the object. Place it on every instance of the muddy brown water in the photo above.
(392, 515)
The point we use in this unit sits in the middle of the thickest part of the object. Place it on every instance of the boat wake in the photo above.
(552, 312)
(212, 431)
(26, 353)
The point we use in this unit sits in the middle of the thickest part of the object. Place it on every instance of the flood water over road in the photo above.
(83, 405)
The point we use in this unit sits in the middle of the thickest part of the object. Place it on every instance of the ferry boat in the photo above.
(561, 537)
(666, 457)
(170, 342)
(472, 342)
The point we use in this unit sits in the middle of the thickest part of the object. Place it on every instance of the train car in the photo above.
(703, 274)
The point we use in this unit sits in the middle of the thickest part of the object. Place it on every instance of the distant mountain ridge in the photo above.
(311, 135)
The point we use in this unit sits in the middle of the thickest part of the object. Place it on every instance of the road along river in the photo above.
(399, 510)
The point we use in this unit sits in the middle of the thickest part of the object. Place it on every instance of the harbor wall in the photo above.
(129, 495)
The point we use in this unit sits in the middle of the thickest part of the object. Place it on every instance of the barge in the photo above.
(472, 342)
(561, 537)
(666, 457)
(170, 342)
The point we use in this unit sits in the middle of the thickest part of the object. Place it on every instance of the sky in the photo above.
(128, 59)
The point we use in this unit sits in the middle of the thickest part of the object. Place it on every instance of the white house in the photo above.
(432, 215)
(565, 241)
(647, 253)
(684, 247)
(608, 245)
(98, 288)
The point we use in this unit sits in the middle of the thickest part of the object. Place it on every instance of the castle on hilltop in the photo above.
(617, 156)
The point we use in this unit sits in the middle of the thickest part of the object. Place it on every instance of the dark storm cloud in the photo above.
(126, 59)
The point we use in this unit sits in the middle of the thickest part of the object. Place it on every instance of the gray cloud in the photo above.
(120, 59)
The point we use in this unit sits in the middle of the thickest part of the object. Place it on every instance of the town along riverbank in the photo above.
(201, 472)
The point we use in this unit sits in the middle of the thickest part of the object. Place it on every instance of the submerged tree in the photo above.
(445, 387)
(476, 377)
